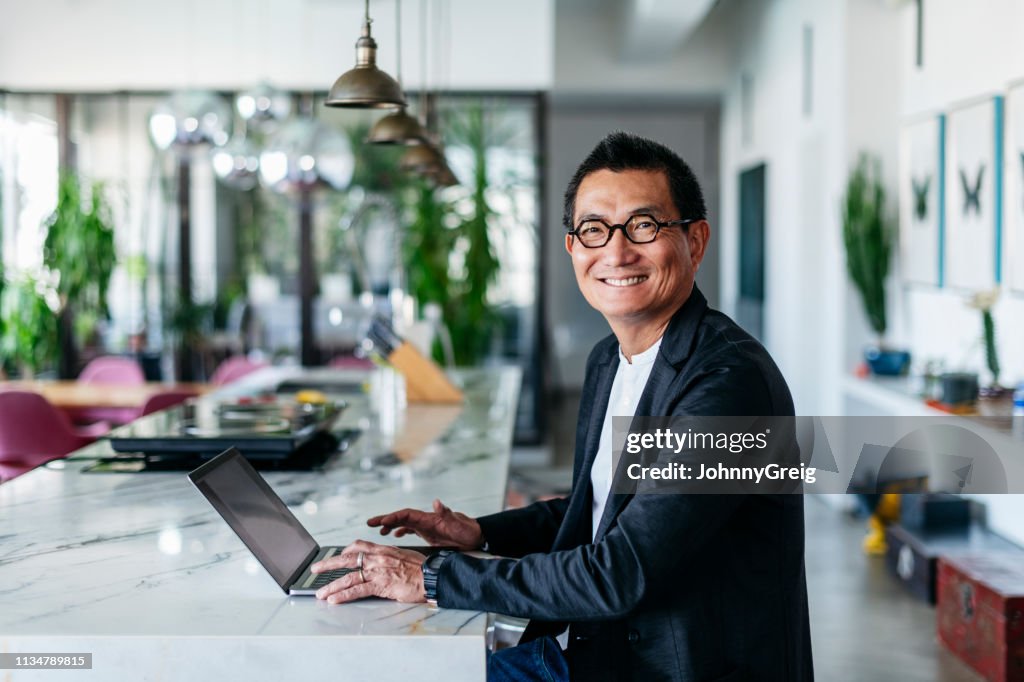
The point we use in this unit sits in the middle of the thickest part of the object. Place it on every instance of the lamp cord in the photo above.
(398, 41)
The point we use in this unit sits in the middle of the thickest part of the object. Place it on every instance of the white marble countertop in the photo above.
(90, 559)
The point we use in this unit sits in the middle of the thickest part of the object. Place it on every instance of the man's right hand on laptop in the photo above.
(442, 527)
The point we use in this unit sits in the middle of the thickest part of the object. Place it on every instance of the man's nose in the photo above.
(618, 249)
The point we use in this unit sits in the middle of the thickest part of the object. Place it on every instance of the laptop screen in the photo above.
(256, 514)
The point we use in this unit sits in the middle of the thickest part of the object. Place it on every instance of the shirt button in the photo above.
(633, 637)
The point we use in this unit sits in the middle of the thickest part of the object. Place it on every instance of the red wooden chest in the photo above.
(981, 612)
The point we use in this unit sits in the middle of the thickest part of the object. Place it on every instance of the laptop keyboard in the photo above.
(330, 576)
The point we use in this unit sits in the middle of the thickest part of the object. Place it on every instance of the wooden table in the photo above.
(73, 395)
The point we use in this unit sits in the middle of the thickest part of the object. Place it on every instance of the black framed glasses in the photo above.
(594, 233)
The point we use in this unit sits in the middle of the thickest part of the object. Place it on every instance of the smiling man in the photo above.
(650, 587)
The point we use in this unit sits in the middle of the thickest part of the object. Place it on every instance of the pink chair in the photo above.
(233, 369)
(350, 362)
(164, 400)
(33, 432)
(110, 369)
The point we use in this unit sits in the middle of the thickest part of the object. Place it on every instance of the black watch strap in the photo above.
(431, 568)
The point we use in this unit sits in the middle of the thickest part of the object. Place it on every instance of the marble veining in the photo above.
(117, 555)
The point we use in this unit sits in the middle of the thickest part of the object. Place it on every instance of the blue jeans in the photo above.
(541, 659)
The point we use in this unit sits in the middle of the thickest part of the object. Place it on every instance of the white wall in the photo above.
(806, 158)
(94, 45)
(968, 52)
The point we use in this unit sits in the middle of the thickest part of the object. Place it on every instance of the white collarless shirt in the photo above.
(628, 386)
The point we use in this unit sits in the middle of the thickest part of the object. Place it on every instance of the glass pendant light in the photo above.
(365, 86)
(264, 108)
(190, 118)
(305, 155)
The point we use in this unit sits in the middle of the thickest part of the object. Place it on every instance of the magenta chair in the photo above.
(233, 369)
(110, 369)
(350, 362)
(164, 400)
(33, 432)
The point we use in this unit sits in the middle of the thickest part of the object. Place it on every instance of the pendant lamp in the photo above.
(422, 159)
(444, 177)
(365, 86)
(398, 127)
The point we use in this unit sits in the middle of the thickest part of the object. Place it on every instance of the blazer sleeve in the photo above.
(518, 532)
(607, 580)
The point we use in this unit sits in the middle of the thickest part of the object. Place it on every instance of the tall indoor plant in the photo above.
(471, 312)
(28, 327)
(79, 247)
(868, 235)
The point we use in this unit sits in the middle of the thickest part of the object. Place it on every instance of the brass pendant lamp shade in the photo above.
(444, 177)
(365, 86)
(421, 158)
(397, 128)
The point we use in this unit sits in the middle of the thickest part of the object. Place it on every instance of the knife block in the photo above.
(425, 382)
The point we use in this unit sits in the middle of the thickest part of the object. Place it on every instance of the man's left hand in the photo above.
(388, 572)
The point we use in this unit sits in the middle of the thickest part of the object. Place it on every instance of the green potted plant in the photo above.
(28, 326)
(470, 312)
(79, 248)
(868, 235)
(984, 301)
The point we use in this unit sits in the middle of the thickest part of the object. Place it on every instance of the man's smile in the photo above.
(624, 281)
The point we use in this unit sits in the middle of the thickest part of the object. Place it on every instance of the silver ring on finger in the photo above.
(359, 561)
(361, 576)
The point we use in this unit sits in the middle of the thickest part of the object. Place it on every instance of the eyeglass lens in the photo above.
(639, 229)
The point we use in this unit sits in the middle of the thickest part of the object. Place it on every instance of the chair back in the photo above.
(350, 362)
(111, 369)
(32, 431)
(166, 399)
(233, 369)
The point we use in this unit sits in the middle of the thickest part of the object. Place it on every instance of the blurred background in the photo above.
(173, 187)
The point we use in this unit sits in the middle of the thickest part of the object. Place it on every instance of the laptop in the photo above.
(264, 523)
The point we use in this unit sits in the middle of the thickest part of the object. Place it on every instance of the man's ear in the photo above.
(698, 236)
(568, 243)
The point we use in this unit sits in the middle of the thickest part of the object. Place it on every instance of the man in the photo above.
(674, 587)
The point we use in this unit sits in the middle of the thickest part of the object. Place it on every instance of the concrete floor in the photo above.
(864, 625)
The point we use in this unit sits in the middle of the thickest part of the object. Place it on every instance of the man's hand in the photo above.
(442, 527)
(388, 572)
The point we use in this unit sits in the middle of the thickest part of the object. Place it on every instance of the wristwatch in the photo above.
(431, 567)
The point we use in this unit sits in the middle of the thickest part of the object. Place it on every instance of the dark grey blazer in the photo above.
(675, 587)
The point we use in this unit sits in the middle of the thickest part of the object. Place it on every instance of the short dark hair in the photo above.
(621, 151)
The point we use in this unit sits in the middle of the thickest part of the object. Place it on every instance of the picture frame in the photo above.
(922, 185)
(972, 243)
(1014, 208)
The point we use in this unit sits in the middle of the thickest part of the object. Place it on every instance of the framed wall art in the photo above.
(922, 206)
(1014, 207)
(972, 248)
